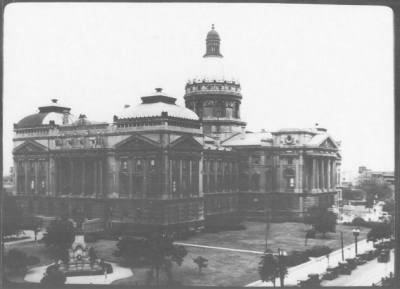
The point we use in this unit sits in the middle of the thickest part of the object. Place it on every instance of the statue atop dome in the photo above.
(212, 43)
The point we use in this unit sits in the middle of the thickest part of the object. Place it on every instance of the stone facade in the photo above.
(159, 166)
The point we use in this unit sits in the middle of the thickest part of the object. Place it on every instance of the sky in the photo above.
(297, 64)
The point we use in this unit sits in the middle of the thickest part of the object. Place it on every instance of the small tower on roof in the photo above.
(212, 43)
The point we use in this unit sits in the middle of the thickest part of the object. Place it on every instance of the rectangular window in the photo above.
(138, 184)
(256, 182)
(243, 182)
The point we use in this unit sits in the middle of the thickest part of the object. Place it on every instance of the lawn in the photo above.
(225, 268)
(236, 268)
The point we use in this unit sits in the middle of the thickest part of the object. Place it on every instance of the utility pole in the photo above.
(341, 243)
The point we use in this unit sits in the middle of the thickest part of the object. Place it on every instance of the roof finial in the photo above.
(212, 26)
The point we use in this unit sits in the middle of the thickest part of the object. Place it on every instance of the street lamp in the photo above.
(282, 268)
(356, 232)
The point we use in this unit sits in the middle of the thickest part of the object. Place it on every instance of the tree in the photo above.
(321, 219)
(53, 277)
(158, 252)
(268, 268)
(12, 217)
(164, 251)
(133, 250)
(16, 260)
(380, 231)
(375, 190)
(60, 236)
(390, 206)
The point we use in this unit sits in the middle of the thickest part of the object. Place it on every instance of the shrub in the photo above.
(358, 221)
(17, 260)
(311, 234)
(296, 258)
(53, 277)
(318, 251)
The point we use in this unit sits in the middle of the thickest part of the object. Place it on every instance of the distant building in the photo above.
(159, 166)
(380, 177)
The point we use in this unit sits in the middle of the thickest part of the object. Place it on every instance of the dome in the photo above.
(53, 113)
(157, 105)
(214, 68)
(212, 34)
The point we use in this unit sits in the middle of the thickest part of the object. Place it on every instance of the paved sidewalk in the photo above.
(317, 265)
(364, 275)
(34, 275)
(219, 248)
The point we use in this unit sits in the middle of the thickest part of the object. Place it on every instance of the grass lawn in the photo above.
(225, 268)
(287, 236)
(238, 269)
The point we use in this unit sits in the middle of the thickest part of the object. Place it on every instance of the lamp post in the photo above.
(356, 232)
(282, 268)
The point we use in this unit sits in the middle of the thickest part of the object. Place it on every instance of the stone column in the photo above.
(95, 186)
(51, 177)
(314, 174)
(334, 175)
(16, 184)
(71, 177)
(83, 176)
(36, 170)
(112, 175)
(130, 176)
(26, 168)
(323, 180)
(100, 177)
(318, 162)
(329, 174)
(300, 174)
(190, 178)
(201, 175)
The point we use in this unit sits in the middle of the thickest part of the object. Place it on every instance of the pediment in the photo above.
(186, 143)
(30, 147)
(328, 143)
(136, 143)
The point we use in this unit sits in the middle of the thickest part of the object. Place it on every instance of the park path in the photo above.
(31, 237)
(317, 265)
(34, 275)
(219, 248)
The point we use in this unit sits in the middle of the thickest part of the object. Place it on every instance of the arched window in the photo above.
(289, 175)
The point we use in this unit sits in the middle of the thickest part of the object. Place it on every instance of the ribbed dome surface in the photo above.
(213, 35)
(52, 112)
(157, 104)
(213, 68)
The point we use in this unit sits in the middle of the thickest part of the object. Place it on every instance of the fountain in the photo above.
(82, 260)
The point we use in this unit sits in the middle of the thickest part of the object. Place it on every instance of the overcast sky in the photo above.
(298, 64)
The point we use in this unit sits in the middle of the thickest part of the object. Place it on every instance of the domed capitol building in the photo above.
(160, 166)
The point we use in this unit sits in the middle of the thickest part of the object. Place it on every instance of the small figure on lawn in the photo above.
(201, 262)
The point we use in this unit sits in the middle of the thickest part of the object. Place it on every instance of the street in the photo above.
(364, 275)
(319, 265)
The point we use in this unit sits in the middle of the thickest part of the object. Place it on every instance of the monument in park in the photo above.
(82, 260)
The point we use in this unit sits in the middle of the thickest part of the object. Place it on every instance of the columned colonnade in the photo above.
(323, 173)
(79, 176)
